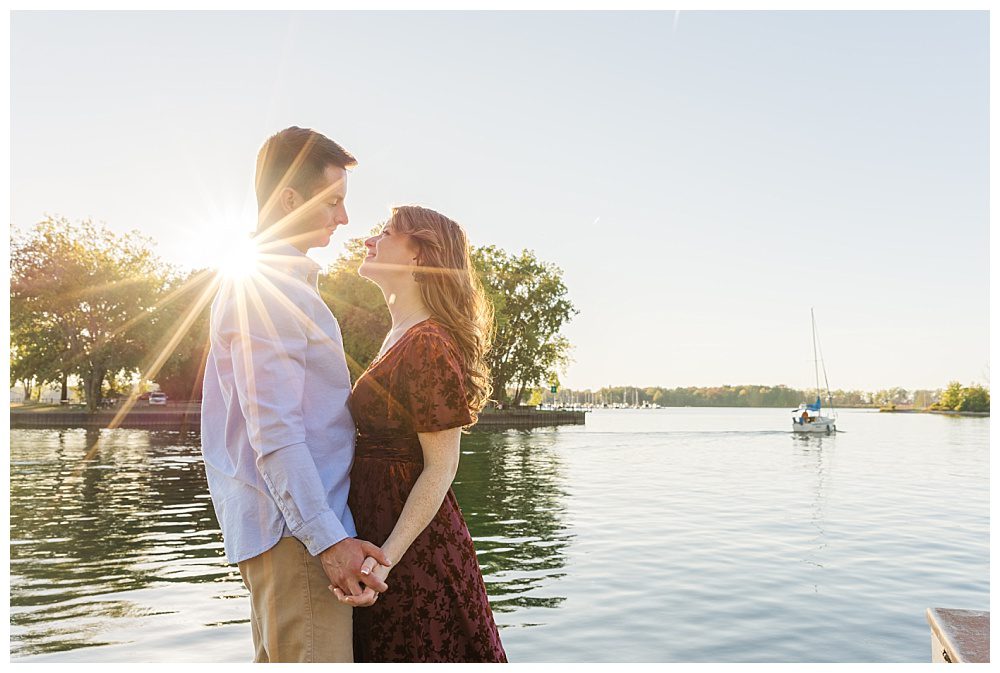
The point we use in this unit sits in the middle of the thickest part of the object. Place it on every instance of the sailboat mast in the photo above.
(826, 380)
(812, 315)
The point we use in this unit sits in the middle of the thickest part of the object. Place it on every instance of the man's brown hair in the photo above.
(297, 158)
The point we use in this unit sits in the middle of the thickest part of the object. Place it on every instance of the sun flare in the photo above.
(240, 260)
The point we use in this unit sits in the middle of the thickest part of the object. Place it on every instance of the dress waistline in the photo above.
(386, 447)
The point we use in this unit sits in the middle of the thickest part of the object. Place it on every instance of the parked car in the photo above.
(144, 397)
(157, 398)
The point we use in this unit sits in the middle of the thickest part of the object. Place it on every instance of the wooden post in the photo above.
(959, 636)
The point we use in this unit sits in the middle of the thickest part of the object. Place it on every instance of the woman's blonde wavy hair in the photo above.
(452, 292)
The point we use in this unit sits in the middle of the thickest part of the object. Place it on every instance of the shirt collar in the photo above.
(287, 256)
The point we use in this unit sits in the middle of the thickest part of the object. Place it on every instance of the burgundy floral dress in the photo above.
(436, 609)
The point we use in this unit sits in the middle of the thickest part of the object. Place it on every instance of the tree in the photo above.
(28, 361)
(537, 395)
(952, 396)
(40, 340)
(81, 299)
(530, 304)
(180, 376)
(974, 398)
(358, 305)
(892, 397)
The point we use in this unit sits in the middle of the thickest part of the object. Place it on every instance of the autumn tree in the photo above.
(81, 299)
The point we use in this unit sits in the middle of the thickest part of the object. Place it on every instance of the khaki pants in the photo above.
(293, 616)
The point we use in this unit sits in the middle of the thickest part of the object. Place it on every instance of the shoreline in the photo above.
(943, 412)
(188, 418)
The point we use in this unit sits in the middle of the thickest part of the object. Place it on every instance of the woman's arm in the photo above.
(441, 453)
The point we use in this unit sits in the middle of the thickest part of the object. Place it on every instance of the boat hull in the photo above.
(823, 426)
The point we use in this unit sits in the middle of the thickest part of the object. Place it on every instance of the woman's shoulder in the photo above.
(431, 337)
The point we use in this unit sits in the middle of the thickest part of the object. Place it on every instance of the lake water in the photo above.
(671, 535)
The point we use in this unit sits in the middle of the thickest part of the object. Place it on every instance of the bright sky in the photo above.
(702, 178)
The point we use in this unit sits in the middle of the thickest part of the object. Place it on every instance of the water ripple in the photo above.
(717, 527)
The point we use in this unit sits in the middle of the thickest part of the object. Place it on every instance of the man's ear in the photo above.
(289, 200)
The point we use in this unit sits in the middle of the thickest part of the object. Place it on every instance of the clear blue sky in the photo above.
(702, 178)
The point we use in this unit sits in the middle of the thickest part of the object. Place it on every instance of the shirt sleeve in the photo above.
(433, 384)
(268, 339)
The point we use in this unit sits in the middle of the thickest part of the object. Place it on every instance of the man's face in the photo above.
(321, 212)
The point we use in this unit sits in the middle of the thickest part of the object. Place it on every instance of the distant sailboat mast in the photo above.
(815, 357)
(822, 362)
(808, 417)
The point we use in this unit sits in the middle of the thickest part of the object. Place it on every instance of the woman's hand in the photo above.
(368, 597)
(441, 452)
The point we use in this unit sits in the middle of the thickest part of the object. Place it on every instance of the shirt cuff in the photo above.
(321, 532)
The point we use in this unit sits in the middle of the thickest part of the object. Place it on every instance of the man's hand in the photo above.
(369, 596)
(342, 564)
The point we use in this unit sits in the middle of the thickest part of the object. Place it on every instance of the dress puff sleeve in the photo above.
(433, 384)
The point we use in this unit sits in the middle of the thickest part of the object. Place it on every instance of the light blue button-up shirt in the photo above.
(276, 432)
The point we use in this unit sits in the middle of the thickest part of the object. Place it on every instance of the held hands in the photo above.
(343, 563)
(375, 573)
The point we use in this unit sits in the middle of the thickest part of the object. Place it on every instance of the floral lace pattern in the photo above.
(436, 609)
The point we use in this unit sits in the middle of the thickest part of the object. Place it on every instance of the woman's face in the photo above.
(390, 253)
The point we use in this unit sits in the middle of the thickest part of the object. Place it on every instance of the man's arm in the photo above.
(268, 344)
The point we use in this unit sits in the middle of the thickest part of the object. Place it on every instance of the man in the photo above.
(277, 435)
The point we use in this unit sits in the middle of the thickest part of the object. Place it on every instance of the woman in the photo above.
(428, 381)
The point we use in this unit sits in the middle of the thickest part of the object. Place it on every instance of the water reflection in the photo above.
(112, 528)
(754, 546)
(814, 461)
(510, 487)
(95, 513)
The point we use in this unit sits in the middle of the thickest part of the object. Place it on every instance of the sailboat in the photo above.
(809, 417)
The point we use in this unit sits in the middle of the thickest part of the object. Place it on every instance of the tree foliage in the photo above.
(531, 306)
(81, 301)
(180, 376)
(974, 398)
(952, 396)
(358, 305)
(957, 397)
(99, 306)
(746, 395)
